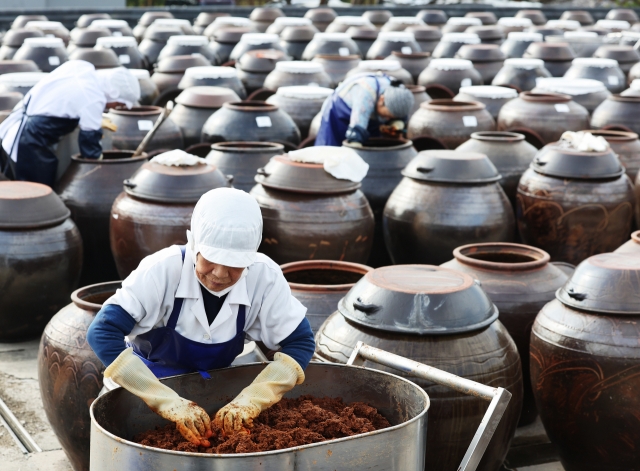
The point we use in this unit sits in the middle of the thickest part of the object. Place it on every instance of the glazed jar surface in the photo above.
(134, 124)
(618, 110)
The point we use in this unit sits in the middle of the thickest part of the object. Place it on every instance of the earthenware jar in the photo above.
(339, 44)
(337, 66)
(487, 17)
(433, 17)
(99, 58)
(447, 76)
(170, 71)
(253, 41)
(47, 53)
(488, 34)
(283, 22)
(183, 45)
(41, 245)
(446, 199)
(242, 160)
(297, 73)
(626, 56)
(225, 40)
(583, 43)
(134, 124)
(117, 27)
(562, 25)
(148, 90)
(511, 24)
(413, 63)
(378, 17)
(575, 204)
(626, 146)
(584, 352)
(537, 17)
(490, 96)
(451, 42)
(389, 41)
(508, 151)
(155, 39)
(154, 210)
(320, 285)
(342, 23)
(228, 22)
(487, 59)
(321, 17)
(583, 16)
(147, 20)
(204, 19)
(557, 57)
(194, 106)
(603, 70)
(20, 82)
(364, 37)
(622, 14)
(15, 66)
(419, 97)
(302, 103)
(459, 24)
(21, 20)
(52, 29)
(251, 121)
(631, 247)
(518, 42)
(391, 68)
(262, 18)
(543, 116)
(386, 159)
(617, 110)
(211, 76)
(13, 39)
(184, 25)
(519, 280)
(427, 37)
(254, 67)
(310, 215)
(401, 23)
(399, 309)
(586, 92)
(102, 181)
(70, 374)
(451, 121)
(126, 49)
(294, 39)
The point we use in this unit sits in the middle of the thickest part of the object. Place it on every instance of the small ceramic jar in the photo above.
(488, 34)
(126, 48)
(557, 57)
(520, 74)
(427, 37)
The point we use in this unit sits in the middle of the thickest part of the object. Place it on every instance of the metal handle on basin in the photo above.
(499, 397)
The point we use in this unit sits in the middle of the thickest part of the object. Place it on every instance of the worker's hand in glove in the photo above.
(394, 128)
(267, 389)
(131, 373)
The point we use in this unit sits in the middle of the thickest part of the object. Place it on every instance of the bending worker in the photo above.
(74, 94)
(364, 106)
(190, 308)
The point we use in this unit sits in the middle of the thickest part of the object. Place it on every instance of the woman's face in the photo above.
(216, 277)
(382, 110)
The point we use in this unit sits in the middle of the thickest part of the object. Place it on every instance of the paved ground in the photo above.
(19, 389)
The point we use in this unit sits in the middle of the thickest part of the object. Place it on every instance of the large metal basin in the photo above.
(118, 415)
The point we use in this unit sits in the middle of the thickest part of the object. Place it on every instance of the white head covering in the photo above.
(119, 85)
(226, 228)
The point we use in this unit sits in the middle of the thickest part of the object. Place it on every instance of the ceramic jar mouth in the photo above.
(336, 57)
(323, 275)
(380, 144)
(250, 106)
(502, 256)
(545, 97)
(137, 111)
(92, 297)
(497, 136)
(614, 136)
(625, 99)
(635, 236)
(111, 157)
(447, 104)
(247, 147)
(413, 55)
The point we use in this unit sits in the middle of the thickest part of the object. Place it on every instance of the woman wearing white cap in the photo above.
(75, 94)
(190, 308)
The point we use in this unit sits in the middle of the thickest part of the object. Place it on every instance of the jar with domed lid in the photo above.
(389, 41)
(185, 45)
(224, 40)
(295, 39)
(13, 39)
(282, 22)
(378, 17)
(413, 63)
(437, 18)
(126, 48)
(583, 43)
(401, 23)
(254, 67)
(537, 17)
(253, 41)
(620, 111)
(626, 145)
(520, 74)
(47, 53)
(263, 17)
(212, 76)
(338, 44)
(444, 77)
(487, 59)
(223, 22)
(302, 103)
(451, 42)
(321, 17)
(491, 96)
(459, 24)
(297, 73)
(626, 56)
(53, 29)
(391, 68)
(342, 23)
(117, 27)
(586, 92)
(489, 34)
(511, 24)
(518, 42)
(557, 57)
(170, 71)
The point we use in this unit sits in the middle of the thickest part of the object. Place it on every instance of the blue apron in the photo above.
(337, 116)
(167, 353)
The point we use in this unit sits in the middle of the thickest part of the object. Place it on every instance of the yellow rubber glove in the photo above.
(268, 388)
(131, 373)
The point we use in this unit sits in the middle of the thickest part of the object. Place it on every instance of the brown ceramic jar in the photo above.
(586, 92)
(542, 116)
(302, 103)
(491, 96)
(537, 17)
(419, 97)
(330, 44)
(584, 363)
(427, 37)
(414, 63)
(262, 18)
(337, 66)
(170, 70)
(487, 59)
(410, 310)
(575, 204)
(443, 77)
(254, 67)
(320, 285)
(519, 280)
(391, 68)
(40, 258)
(446, 199)
(297, 73)
(451, 121)
(70, 374)
(310, 215)
(321, 17)
(627, 56)
(134, 124)
(389, 41)
(619, 111)
(47, 53)
(557, 57)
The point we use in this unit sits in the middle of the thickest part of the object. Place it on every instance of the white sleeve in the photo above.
(148, 293)
(279, 313)
(91, 114)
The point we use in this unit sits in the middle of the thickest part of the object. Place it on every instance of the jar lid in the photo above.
(433, 17)
(351, 20)
(15, 37)
(16, 66)
(331, 37)
(396, 36)
(266, 14)
(222, 21)
(559, 160)
(100, 58)
(405, 20)
(486, 31)
(451, 166)
(323, 14)
(491, 92)
(597, 62)
(119, 41)
(450, 64)
(524, 36)
(206, 97)
(161, 33)
(607, 283)
(563, 24)
(362, 32)
(298, 33)
(464, 21)
(481, 52)
(462, 38)
(613, 24)
(514, 22)
(283, 173)
(619, 53)
(418, 299)
(111, 23)
(378, 16)
(259, 60)
(27, 205)
(179, 64)
(187, 40)
(44, 42)
(292, 21)
(572, 87)
(169, 22)
(230, 35)
(524, 64)
(47, 25)
(174, 184)
(580, 34)
(299, 67)
(425, 33)
(303, 92)
(550, 51)
(258, 39)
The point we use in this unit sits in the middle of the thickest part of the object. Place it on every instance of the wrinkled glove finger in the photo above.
(206, 420)
(191, 426)
(229, 423)
(187, 433)
(218, 421)
(199, 425)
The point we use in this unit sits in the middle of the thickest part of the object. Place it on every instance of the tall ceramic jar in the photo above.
(386, 159)
(574, 204)
(444, 319)
(519, 280)
(154, 210)
(88, 188)
(508, 151)
(302, 103)
(70, 374)
(446, 199)
(40, 258)
(242, 160)
(134, 124)
(320, 285)
(310, 215)
(451, 121)
(543, 116)
(584, 363)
